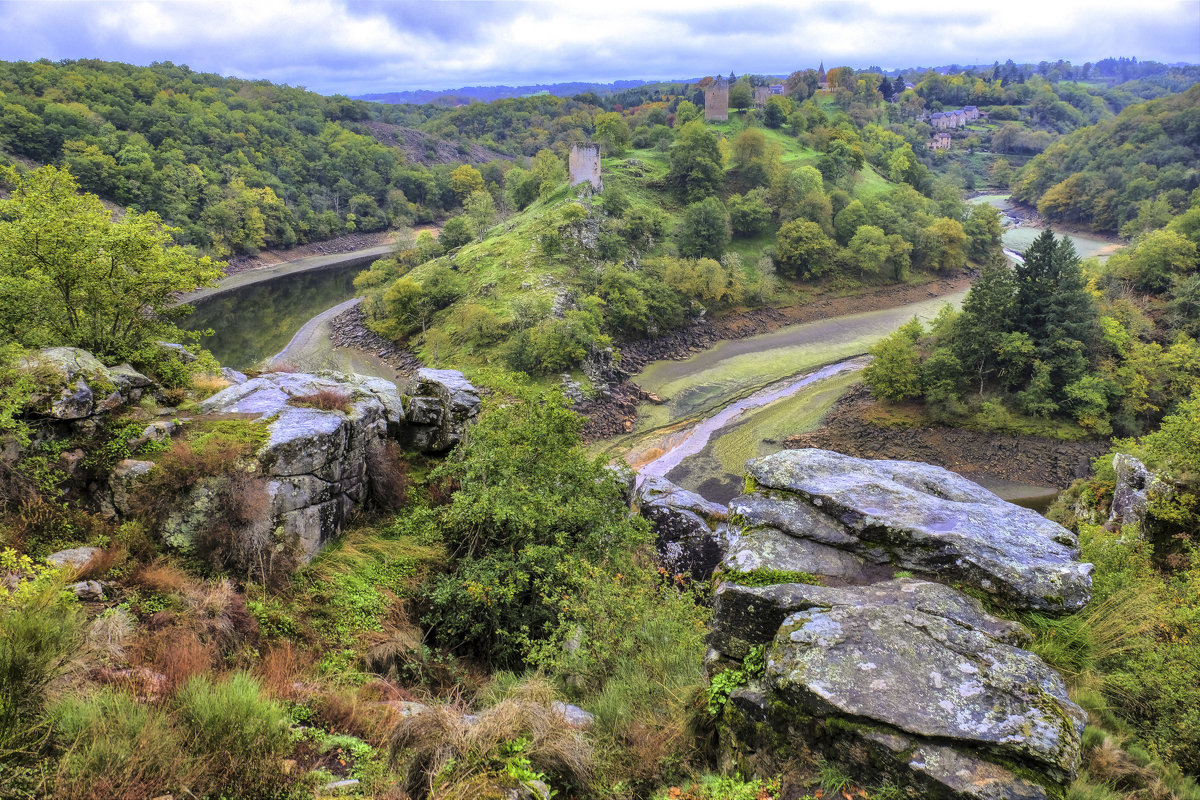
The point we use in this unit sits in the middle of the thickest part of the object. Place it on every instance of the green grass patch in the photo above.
(769, 577)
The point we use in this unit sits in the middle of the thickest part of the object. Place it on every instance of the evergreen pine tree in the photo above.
(986, 318)
(1055, 309)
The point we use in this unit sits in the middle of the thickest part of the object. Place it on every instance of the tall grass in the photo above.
(40, 632)
(237, 733)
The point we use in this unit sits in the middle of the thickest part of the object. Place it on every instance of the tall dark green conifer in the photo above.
(987, 315)
(1054, 308)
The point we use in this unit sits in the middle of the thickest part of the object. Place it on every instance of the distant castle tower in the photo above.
(584, 165)
(716, 100)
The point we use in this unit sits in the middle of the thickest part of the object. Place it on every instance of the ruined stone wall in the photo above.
(716, 100)
(584, 165)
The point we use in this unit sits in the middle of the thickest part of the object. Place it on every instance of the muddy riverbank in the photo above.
(1031, 460)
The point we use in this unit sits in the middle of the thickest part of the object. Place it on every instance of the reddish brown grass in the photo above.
(100, 563)
(177, 652)
(162, 577)
(282, 670)
(343, 711)
(324, 399)
(387, 475)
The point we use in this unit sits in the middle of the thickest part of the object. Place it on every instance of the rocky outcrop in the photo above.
(924, 518)
(73, 385)
(311, 472)
(440, 403)
(899, 678)
(1135, 485)
(690, 532)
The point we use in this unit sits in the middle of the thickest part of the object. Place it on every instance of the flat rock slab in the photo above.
(930, 677)
(927, 518)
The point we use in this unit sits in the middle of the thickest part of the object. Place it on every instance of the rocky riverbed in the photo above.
(349, 330)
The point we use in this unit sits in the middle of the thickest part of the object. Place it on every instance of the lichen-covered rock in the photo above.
(768, 548)
(928, 676)
(745, 616)
(74, 385)
(122, 483)
(441, 403)
(927, 518)
(937, 770)
(314, 461)
(690, 532)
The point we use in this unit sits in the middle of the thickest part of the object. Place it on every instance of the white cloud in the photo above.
(374, 45)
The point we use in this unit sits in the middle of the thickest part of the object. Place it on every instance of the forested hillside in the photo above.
(1128, 175)
(236, 165)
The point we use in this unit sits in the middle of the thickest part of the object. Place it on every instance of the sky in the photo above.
(365, 46)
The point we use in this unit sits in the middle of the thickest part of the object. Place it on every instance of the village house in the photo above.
(940, 141)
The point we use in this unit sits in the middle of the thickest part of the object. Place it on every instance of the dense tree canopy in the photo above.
(71, 274)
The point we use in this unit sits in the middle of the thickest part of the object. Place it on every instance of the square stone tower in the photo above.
(716, 100)
(584, 165)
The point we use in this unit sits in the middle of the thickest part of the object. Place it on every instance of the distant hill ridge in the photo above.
(488, 93)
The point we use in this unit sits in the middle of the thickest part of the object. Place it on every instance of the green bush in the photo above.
(239, 735)
(115, 747)
(40, 631)
(531, 506)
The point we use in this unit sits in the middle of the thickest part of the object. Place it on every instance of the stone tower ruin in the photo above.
(584, 165)
(716, 100)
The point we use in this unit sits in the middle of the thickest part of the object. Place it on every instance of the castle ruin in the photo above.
(584, 165)
(716, 100)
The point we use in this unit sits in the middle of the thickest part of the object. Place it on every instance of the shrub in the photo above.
(531, 506)
(238, 736)
(40, 632)
(517, 741)
(387, 474)
(115, 748)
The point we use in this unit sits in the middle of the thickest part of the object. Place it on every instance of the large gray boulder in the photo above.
(313, 465)
(440, 403)
(746, 616)
(899, 678)
(928, 676)
(73, 384)
(920, 517)
(690, 532)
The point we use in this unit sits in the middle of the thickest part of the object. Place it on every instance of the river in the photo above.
(736, 401)
(256, 315)
(740, 399)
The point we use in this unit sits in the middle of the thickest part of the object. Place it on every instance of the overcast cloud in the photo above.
(363, 46)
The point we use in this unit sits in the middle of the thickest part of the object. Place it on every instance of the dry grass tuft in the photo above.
(205, 385)
(282, 670)
(109, 634)
(448, 757)
(324, 399)
(162, 577)
(177, 652)
(355, 713)
(100, 563)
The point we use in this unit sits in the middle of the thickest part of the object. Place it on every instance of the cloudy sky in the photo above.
(362, 46)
